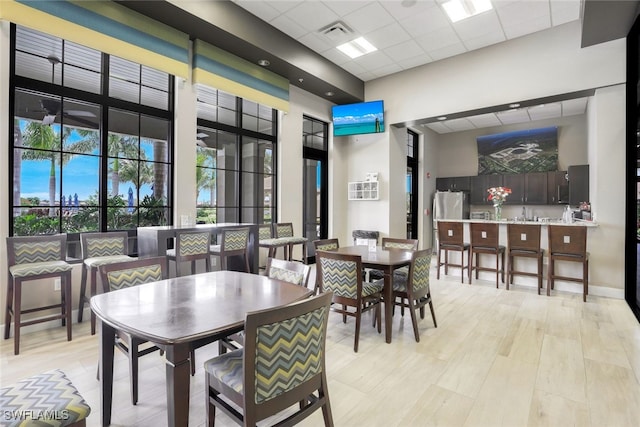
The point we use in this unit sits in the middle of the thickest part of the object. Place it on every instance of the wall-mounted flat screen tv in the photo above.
(356, 119)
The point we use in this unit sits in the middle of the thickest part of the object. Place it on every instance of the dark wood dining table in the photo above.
(386, 260)
(179, 315)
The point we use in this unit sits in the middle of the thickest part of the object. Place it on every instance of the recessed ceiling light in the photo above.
(461, 9)
(357, 47)
(264, 62)
(329, 93)
(442, 118)
(514, 105)
(301, 80)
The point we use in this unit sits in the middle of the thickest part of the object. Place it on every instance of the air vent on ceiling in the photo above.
(337, 32)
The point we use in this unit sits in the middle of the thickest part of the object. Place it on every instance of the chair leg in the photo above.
(83, 290)
(8, 308)
(246, 262)
(16, 316)
(379, 317)
(433, 313)
(133, 369)
(502, 257)
(414, 320)
(66, 286)
(550, 276)
(357, 337)
(439, 264)
(94, 291)
(585, 279)
(192, 361)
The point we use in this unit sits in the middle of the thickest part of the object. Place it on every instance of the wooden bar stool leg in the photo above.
(8, 308)
(16, 316)
(83, 291)
(94, 291)
(67, 303)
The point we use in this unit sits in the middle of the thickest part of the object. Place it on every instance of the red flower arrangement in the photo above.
(498, 195)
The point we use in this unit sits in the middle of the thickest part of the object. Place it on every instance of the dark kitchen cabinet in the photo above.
(479, 186)
(526, 188)
(455, 183)
(557, 188)
(578, 184)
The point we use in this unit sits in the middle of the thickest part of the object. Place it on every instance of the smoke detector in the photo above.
(338, 32)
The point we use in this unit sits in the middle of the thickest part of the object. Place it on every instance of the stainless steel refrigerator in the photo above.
(449, 205)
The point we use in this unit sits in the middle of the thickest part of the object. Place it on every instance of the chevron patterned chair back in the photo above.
(235, 241)
(32, 258)
(395, 243)
(191, 246)
(289, 271)
(413, 289)
(342, 275)
(266, 240)
(99, 249)
(49, 396)
(122, 275)
(282, 364)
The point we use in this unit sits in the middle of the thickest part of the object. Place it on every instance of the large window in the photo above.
(235, 167)
(91, 139)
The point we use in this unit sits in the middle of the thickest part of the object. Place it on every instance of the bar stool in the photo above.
(31, 258)
(99, 249)
(234, 242)
(266, 240)
(190, 247)
(485, 239)
(284, 230)
(523, 240)
(451, 238)
(568, 243)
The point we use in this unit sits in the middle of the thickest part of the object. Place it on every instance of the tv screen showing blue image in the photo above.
(356, 119)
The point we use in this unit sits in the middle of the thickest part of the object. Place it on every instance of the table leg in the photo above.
(107, 342)
(178, 376)
(388, 304)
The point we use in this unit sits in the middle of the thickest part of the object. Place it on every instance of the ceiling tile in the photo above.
(289, 27)
(477, 26)
(343, 8)
(484, 40)
(399, 11)
(312, 15)
(438, 39)
(405, 50)
(545, 111)
(458, 125)
(368, 18)
(424, 21)
(438, 127)
(519, 115)
(387, 36)
(447, 51)
(374, 60)
(415, 61)
(572, 107)
(263, 10)
(527, 27)
(484, 120)
(563, 11)
(317, 42)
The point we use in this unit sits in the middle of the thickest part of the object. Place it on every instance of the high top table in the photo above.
(152, 241)
(179, 315)
(386, 260)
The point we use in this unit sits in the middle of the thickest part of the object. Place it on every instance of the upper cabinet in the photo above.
(578, 184)
(479, 186)
(527, 188)
(455, 183)
(557, 188)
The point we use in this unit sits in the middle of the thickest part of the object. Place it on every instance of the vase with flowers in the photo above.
(498, 195)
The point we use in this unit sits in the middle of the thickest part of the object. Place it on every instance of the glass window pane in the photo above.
(155, 134)
(39, 173)
(155, 79)
(252, 189)
(250, 122)
(206, 215)
(154, 98)
(227, 117)
(80, 179)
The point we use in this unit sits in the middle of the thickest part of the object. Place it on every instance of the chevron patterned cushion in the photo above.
(104, 246)
(295, 240)
(398, 245)
(287, 275)
(327, 247)
(227, 369)
(194, 243)
(264, 232)
(288, 353)
(38, 268)
(274, 242)
(104, 260)
(284, 230)
(33, 252)
(134, 276)
(47, 399)
(370, 288)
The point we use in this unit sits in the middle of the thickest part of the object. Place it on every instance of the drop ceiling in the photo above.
(299, 38)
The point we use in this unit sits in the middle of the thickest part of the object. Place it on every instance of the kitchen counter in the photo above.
(577, 223)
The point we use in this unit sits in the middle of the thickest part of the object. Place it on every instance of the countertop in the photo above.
(576, 223)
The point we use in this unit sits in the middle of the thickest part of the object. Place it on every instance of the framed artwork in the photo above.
(521, 151)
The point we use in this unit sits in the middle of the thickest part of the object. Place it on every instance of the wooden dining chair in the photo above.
(451, 238)
(280, 269)
(126, 274)
(32, 258)
(191, 246)
(281, 365)
(342, 275)
(235, 242)
(391, 243)
(99, 249)
(485, 240)
(568, 243)
(413, 289)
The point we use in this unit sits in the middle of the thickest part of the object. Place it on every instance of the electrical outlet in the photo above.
(56, 285)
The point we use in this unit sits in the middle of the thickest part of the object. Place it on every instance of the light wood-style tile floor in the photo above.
(497, 358)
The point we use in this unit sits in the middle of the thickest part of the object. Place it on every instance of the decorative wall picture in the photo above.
(521, 151)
